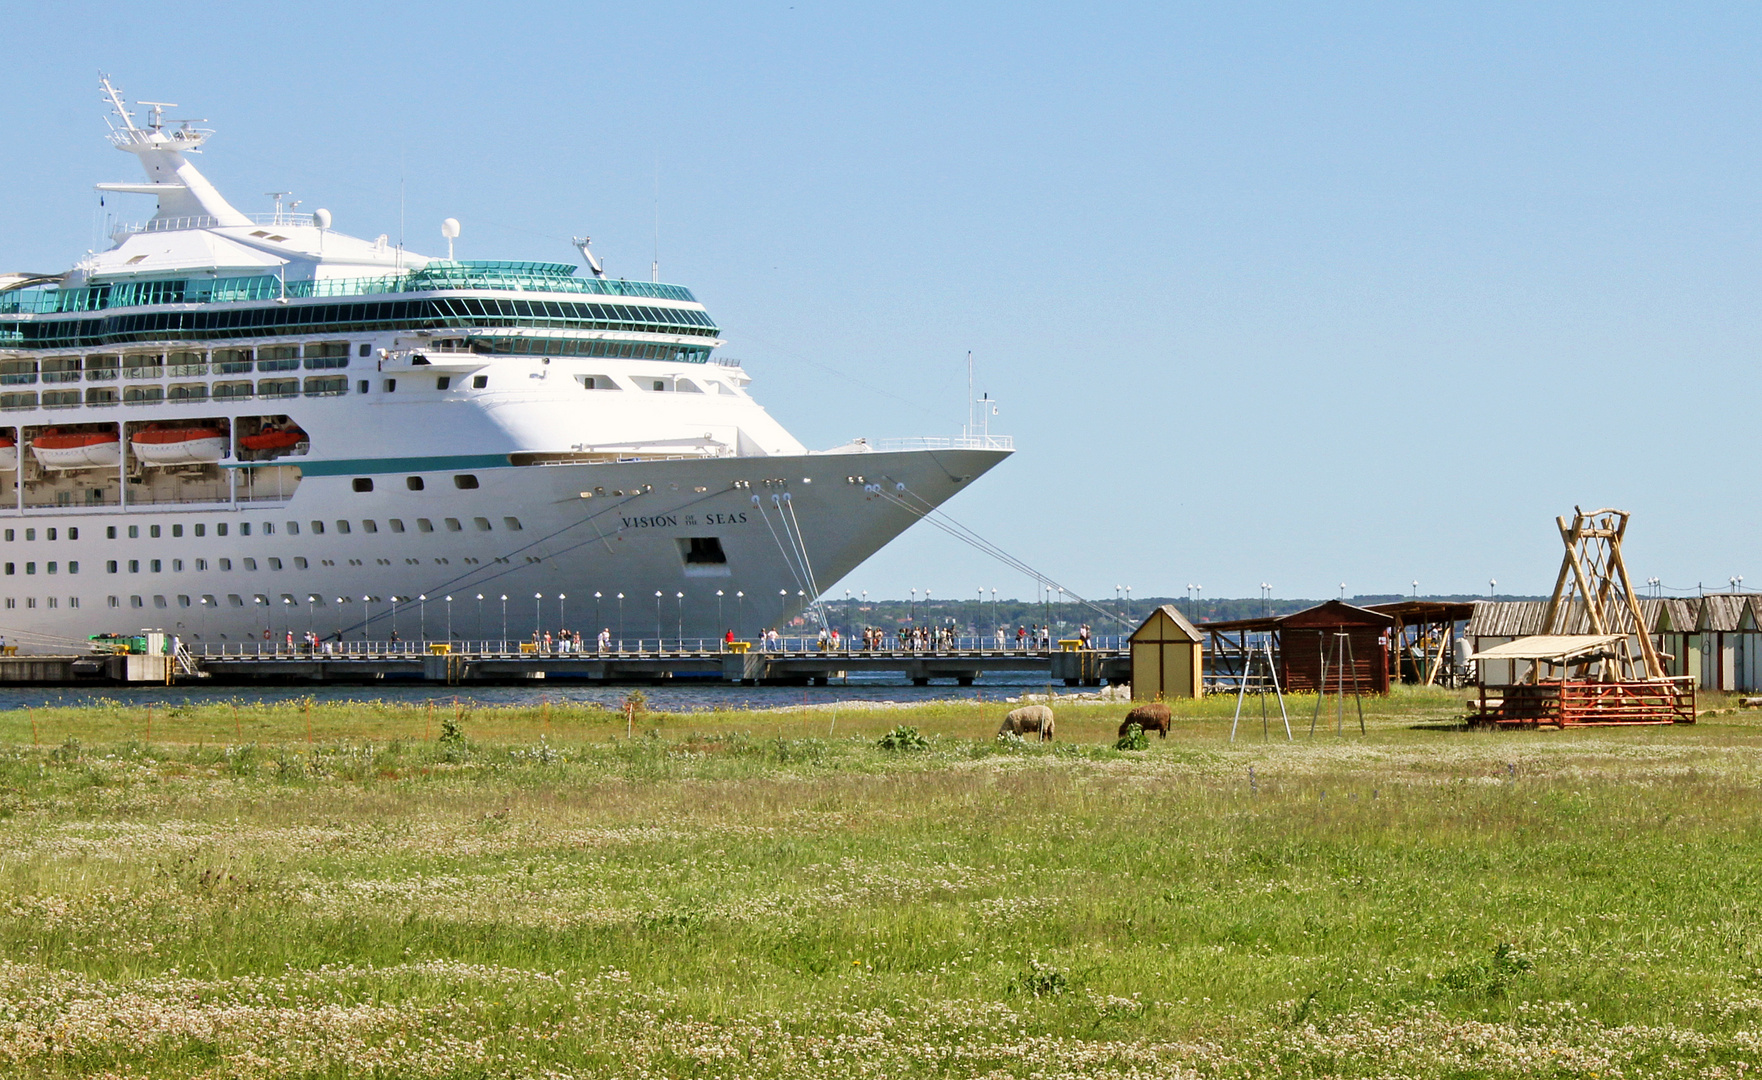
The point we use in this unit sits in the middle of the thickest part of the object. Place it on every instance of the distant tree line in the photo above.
(971, 615)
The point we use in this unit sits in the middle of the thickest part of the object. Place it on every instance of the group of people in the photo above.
(872, 639)
(565, 641)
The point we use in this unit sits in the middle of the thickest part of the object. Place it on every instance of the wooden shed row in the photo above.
(1715, 638)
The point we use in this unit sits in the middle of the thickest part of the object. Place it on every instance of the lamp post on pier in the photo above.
(449, 616)
(538, 617)
(422, 617)
(504, 622)
(680, 596)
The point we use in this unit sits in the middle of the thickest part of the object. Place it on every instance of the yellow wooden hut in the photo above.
(1167, 657)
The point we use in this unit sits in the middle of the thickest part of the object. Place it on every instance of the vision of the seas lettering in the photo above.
(667, 521)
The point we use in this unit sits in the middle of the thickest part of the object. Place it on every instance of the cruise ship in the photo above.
(232, 426)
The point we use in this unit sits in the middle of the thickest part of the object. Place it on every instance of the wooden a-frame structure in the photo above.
(1594, 595)
(1583, 667)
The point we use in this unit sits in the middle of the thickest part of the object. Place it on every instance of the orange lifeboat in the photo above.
(8, 453)
(155, 445)
(57, 449)
(273, 439)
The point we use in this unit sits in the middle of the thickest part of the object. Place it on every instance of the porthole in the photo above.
(463, 481)
(414, 483)
(363, 483)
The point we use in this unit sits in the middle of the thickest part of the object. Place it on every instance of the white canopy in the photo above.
(1555, 647)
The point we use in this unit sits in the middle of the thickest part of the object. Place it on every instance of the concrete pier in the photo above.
(368, 666)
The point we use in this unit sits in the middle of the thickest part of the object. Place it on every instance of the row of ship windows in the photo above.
(178, 600)
(326, 386)
(157, 566)
(318, 386)
(154, 566)
(414, 483)
(107, 367)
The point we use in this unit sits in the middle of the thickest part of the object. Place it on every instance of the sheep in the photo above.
(1029, 719)
(1153, 716)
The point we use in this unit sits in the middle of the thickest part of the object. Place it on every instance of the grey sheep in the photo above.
(1029, 720)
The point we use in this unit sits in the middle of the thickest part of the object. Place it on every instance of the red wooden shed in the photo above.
(1351, 642)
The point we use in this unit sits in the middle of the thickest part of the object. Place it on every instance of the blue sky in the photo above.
(1296, 294)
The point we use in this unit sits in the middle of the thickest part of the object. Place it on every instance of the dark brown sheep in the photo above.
(1153, 716)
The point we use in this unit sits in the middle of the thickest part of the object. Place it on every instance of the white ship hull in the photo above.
(565, 549)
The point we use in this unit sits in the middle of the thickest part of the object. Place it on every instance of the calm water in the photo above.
(671, 698)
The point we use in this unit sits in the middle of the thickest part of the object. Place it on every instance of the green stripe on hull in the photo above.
(368, 466)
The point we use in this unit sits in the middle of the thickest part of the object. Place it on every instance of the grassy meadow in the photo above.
(368, 890)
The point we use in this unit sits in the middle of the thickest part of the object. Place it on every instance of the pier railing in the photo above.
(511, 648)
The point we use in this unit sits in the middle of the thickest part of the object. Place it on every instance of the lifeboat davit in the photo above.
(273, 439)
(155, 445)
(8, 453)
(56, 449)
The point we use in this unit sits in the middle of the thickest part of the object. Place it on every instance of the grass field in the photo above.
(356, 890)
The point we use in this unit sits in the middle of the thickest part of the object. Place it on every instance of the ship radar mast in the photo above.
(583, 244)
(182, 191)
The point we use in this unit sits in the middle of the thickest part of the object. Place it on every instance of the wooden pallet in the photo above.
(1587, 703)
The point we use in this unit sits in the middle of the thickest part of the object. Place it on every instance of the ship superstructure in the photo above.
(228, 425)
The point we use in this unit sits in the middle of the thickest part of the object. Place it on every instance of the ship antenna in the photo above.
(969, 430)
(655, 267)
(115, 98)
(582, 244)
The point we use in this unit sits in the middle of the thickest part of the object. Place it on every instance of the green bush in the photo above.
(1133, 739)
(904, 738)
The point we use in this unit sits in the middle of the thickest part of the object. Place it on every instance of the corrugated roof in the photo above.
(1720, 612)
(1523, 618)
(1675, 616)
(1506, 618)
(1713, 613)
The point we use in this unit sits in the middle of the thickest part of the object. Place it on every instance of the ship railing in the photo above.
(951, 442)
(204, 221)
(260, 287)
